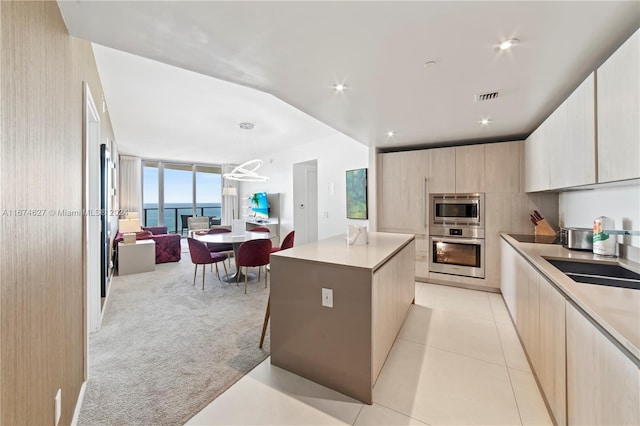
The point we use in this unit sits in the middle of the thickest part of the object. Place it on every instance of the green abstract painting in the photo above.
(357, 194)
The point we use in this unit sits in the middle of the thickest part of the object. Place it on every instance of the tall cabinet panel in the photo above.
(470, 168)
(618, 112)
(442, 170)
(502, 167)
(403, 192)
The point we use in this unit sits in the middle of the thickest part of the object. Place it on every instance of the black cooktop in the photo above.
(540, 239)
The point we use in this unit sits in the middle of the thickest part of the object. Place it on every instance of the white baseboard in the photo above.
(76, 411)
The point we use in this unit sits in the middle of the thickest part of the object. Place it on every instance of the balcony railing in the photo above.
(175, 218)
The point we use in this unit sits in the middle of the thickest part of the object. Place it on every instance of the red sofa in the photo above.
(167, 245)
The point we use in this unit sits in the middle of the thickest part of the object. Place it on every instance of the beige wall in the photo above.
(42, 318)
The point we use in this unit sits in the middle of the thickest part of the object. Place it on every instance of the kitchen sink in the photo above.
(598, 273)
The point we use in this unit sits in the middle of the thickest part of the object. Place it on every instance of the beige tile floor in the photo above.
(456, 361)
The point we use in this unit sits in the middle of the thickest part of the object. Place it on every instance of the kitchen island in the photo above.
(342, 346)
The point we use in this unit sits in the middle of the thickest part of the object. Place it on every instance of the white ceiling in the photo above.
(297, 50)
(165, 112)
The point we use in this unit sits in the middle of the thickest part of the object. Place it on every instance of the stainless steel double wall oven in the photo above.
(457, 234)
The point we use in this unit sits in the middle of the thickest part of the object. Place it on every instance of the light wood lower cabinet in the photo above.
(422, 256)
(585, 378)
(390, 303)
(531, 329)
(603, 385)
(552, 372)
(521, 291)
(508, 279)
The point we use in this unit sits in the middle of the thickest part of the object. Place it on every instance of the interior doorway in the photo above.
(305, 201)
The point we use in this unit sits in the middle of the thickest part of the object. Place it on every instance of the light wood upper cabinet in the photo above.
(502, 166)
(536, 164)
(595, 366)
(442, 170)
(618, 112)
(402, 205)
(541, 150)
(552, 371)
(470, 168)
(572, 160)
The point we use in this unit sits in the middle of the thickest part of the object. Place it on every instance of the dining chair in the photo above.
(260, 229)
(225, 248)
(266, 321)
(200, 255)
(267, 230)
(250, 254)
(198, 222)
(286, 244)
(184, 218)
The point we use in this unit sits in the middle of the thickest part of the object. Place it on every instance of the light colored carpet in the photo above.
(166, 349)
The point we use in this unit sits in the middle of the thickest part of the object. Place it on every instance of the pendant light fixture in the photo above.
(246, 172)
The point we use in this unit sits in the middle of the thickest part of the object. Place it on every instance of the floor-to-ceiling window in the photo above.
(178, 195)
(172, 192)
(150, 194)
(209, 192)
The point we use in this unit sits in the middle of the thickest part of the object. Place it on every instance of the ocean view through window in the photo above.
(173, 192)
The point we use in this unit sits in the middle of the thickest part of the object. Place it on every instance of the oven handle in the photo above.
(459, 240)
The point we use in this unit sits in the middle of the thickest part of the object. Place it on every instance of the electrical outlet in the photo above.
(326, 215)
(327, 297)
(58, 402)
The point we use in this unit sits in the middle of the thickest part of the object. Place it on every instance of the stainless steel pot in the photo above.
(577, 238)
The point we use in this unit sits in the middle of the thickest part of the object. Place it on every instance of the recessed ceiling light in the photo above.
(485, 121)
(390, 133)
(507, 44)
(339, 87)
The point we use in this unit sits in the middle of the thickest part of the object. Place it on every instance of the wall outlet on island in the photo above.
(327, 297)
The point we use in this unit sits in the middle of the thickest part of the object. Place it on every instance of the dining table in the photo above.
(235, 240)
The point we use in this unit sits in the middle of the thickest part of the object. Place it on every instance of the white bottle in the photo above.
(604, 244)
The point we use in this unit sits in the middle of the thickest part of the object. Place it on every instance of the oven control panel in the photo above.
(452, 231)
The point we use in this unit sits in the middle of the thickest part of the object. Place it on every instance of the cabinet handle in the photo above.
(424, 202)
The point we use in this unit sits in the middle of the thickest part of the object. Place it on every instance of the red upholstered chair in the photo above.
(200, 255)
(260, 229)
(286, 243)
(220, 247)
(253, 253)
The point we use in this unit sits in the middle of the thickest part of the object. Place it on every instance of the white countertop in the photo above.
(335, 250)
(617, 310)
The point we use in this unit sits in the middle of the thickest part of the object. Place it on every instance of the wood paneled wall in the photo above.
(42, 319)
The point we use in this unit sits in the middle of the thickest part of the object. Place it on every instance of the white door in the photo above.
(305, 201)
(312, 204)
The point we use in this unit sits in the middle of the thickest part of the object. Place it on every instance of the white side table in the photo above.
(136, 258)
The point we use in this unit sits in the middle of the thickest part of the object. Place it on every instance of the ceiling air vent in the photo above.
(486, 96)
